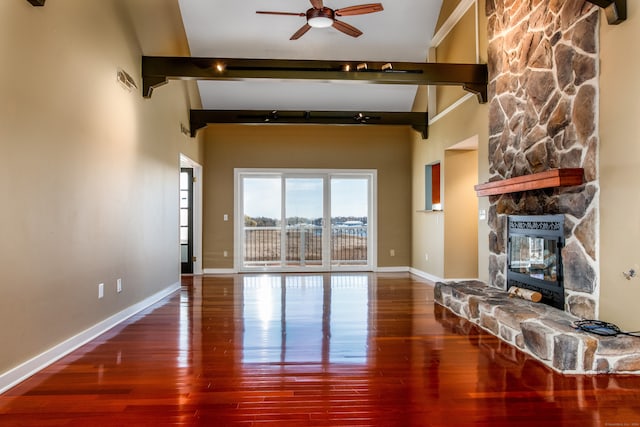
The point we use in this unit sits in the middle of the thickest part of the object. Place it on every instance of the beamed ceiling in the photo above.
(248, 69)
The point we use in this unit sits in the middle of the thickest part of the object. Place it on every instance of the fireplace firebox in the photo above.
(534, 256)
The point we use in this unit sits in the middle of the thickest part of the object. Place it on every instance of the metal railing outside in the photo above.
(304, 245)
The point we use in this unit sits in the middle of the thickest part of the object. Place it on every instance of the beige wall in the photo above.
(435, 251)
(447, 7)
(88, 173)
(458, 47)
(429, 237)
(460, 215)
(620, 171)
(384, 148)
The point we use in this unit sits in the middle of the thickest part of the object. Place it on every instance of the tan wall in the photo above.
(467, 120)
(88, 173)
(458, 47)
(429, 236)
(386, 149)
(460, 215)
(620, 171)
(447, 7)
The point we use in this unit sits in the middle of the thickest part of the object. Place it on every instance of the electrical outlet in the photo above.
(426, 257)
(100, 290)
(119, 285)
(225, 217)
(225, 254)
(392, 252)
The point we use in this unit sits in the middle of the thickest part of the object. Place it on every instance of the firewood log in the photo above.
(527, 294)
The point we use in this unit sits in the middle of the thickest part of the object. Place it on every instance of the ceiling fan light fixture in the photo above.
(320, 18)
(320, 22)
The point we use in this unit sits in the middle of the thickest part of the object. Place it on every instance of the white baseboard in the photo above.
(392, 270)
(435, 279)
(219, 271)
(21, 372)
(426, 275)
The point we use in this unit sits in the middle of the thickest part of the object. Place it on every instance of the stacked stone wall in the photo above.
(543, 94)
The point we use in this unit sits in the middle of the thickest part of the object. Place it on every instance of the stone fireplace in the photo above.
(543, 147)
(543, 91)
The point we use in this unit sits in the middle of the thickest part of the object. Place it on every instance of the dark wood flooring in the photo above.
(310, 350)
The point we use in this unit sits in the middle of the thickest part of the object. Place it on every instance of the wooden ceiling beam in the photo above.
(157, 70)
(198, 119)
(615, 10)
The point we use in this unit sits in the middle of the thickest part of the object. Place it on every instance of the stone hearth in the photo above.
(544, 332)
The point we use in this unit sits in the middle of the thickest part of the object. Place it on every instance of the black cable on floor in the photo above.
(598, 327)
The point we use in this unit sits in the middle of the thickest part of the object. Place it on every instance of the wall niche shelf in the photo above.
(547, 179)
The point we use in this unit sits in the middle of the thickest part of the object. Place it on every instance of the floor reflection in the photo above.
(305, 318)
(310, 350)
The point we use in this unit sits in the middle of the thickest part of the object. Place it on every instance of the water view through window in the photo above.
(300, 221)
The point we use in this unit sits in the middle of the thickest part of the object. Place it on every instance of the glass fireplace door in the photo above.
(535, 257)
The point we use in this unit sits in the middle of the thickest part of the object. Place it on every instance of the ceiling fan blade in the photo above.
(262, 12)
(317, 4)
(360, 9)
(346, 28)
(300, 32)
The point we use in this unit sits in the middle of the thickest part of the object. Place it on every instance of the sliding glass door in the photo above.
(350, 206)
(304, 215)
(302, 220)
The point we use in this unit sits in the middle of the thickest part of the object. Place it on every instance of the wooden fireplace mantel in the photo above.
(547, 179)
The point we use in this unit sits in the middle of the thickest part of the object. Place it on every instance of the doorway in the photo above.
(305, 220)
(190, 225)
(186, 221)
(461, 210)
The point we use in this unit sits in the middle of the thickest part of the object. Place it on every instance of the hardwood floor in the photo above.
(310, 350)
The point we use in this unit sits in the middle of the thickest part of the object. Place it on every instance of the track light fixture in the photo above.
(361, 118)
(271, 117)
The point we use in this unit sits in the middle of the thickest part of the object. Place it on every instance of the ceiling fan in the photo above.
(322, 17)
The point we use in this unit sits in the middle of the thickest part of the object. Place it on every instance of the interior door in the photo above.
(186, 220)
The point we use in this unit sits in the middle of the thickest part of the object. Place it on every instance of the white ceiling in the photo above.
(232, 29)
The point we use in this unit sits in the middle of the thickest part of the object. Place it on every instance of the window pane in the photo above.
(184, 217)
(349, 221)
(184, 181)
(184, 198)
(262, 201)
